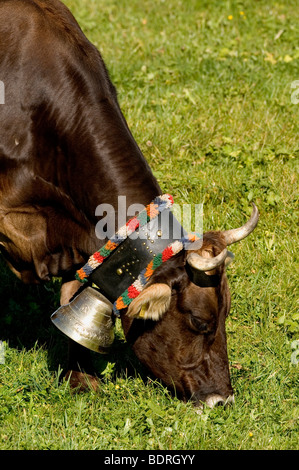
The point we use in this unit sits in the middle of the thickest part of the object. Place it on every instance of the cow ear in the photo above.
(151, 303)
(229, 259)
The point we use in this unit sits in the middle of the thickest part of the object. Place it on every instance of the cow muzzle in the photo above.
(214, 400)
(219, 400)
(87, 320)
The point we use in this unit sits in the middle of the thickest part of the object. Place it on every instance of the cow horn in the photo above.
(237, 234)
(206, 264)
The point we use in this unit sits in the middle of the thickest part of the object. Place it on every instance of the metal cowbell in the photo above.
(87, 319)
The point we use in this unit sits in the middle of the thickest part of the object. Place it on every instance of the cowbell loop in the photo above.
(87, 319)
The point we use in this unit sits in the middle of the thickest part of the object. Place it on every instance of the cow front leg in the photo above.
(68, 290)
(80, 372)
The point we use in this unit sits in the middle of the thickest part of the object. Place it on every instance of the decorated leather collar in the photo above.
(122, 267)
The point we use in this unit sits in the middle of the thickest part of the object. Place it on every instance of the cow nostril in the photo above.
(219, 403)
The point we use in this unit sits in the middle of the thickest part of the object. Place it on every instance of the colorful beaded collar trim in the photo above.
(134, 290)
(150, 212)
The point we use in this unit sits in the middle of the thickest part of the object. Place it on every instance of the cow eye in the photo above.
(199, 325)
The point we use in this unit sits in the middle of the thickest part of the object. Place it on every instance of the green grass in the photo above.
(207, 92)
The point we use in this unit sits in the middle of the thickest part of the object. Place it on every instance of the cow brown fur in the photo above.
(65, 148)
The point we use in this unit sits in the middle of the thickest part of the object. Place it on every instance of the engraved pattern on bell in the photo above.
(87, 320)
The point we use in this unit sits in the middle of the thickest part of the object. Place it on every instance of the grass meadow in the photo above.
(210, 90)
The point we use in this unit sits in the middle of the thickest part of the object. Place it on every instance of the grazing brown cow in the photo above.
(65, 148)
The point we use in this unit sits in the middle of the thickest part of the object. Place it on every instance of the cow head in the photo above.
(177, 324)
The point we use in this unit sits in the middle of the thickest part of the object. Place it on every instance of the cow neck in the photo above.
(109, 160)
